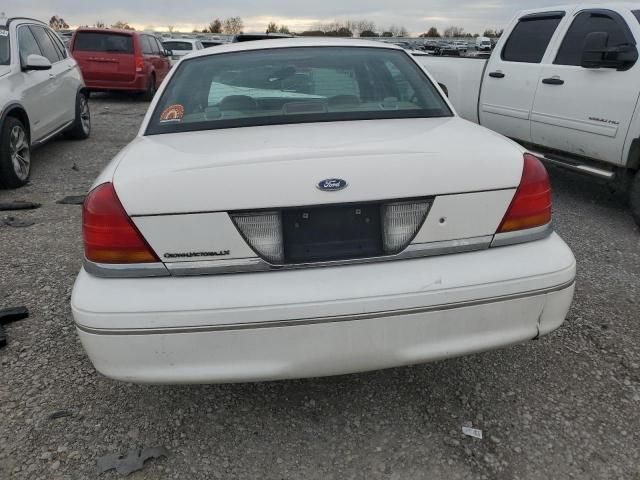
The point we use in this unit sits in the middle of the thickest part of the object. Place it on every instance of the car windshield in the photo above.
(295, 85)
(103, 42)
(5, 50)
(178, 46)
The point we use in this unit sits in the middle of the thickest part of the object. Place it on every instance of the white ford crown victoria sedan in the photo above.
(301, 208)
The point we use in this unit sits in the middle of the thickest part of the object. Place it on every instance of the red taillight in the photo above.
(139, 64)
(531, 205)
(109, 234)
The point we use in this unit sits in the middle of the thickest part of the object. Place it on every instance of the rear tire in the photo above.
(151, 89)
(15, 154)
(81, 128)
(634, 198)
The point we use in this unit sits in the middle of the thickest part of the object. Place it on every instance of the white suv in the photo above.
(42, 94)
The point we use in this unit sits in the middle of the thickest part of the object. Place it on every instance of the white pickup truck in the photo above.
(565, 83)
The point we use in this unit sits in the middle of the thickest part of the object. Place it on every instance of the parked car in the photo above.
(65, 36)
(461, 45)
(430, 46)
(211, 43)
(483, 44)
(564, 82)
(120, 60)
(250, 37)
(42, 94)
(181, 47)
(261, 227)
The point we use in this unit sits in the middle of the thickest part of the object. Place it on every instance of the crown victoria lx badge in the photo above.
(332, 185)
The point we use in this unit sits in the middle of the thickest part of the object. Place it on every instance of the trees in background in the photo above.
(493, 33)
(454, 31)
(58, 23)
(214, 27)
(432, 33)
(274, 28)
(354, 28)
(122, 25)
(233, 26)
(397, 31)
(347, 28)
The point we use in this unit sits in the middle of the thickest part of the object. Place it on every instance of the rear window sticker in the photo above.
(173, 113)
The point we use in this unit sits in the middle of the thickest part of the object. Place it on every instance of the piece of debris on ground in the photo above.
(4, 206)
(9, 315)
(15, 222)
(60, 414)
(133, 462)
(472, 432)
(72, 200)
(13, 314)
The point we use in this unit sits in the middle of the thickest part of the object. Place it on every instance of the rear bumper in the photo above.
(280, 325)
(139, 84)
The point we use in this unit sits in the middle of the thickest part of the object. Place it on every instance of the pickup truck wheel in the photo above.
(15, 154)
(634, 198)
(81, 128)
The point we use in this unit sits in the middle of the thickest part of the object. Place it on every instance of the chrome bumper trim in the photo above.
(212, 267)
(134, 270)
(324, 320)
(257, 264)
(522, 236)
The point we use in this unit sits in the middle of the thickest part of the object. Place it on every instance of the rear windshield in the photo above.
(5, 50)
(103, 42)
(295, 85)
(178, 45)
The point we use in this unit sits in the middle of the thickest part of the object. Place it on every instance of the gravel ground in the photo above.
(566, 406)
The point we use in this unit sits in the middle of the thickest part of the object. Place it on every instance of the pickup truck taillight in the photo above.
(531, 205)
(109, 234)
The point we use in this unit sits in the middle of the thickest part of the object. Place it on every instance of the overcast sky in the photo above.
(416, 15)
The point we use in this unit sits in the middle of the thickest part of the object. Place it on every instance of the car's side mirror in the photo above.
(36, 62)
(597, 54)
(168, 53)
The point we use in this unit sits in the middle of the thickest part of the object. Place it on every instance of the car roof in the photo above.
(6, 21)
(581, 6)
(118, 31)
(292, 43)
(188, 40)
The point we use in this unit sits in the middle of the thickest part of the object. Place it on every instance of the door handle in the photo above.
(497, 75)
(553, 81)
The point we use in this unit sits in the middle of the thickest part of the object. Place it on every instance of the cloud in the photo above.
(416, 15)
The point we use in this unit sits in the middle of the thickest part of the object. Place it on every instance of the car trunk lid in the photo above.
(281, 166)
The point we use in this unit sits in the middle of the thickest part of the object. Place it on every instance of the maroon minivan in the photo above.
(120, 60)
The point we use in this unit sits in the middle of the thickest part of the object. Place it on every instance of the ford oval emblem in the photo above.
(332, 185)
